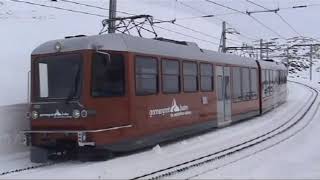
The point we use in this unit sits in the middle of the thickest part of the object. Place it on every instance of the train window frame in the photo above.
(35, 86)
(156, 59)
(124, 77)
(162, 76)
(270, 82)
(196, 75)
(211, 76)
(236, 99)
(243, 93)
(267, 85)
(219, 88)
(263, 83)
(254, 94)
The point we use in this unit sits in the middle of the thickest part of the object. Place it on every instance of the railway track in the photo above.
(31, 167)
(204, 160)
(183, 167)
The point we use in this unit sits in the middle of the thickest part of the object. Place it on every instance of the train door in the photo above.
(223, 95)
(108, 90)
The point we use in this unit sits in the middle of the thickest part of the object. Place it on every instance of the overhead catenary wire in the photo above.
(283, 19)
(58, 8)
(186, 35)
(206, 16)
(216, 16)
(244, 13)
(92, 6)
(179, 25)
(104, 16)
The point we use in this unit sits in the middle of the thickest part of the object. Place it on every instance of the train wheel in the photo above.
(39, 155)
(86, 154)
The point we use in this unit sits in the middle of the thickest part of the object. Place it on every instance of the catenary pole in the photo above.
(112, 15)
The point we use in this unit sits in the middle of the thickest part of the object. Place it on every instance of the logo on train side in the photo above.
(174, 110)
(57, 115)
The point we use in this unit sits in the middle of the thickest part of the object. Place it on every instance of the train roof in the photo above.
(127, 43)
(272, 65)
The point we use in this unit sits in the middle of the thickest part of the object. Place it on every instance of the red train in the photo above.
(115, 93)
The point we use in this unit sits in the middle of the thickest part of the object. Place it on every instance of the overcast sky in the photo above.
(304, 21)
(24, 27)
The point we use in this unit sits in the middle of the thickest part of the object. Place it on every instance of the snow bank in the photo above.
(12, 121)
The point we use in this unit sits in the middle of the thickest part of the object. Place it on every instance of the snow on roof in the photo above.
(272, 65)
(123, 42)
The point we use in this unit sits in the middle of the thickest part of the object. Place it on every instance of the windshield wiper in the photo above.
(75, 88)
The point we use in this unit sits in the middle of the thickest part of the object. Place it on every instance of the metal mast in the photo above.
(112, 15)
(224, 38)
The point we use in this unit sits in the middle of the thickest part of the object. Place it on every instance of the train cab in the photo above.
(273, 85)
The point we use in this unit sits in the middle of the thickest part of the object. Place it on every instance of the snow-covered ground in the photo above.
(160, 157)
(295, 158)
(23, 27)
(12, 121)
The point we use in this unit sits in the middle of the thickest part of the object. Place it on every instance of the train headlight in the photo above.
(34, 115)
(58, 47)
(76, 113)
(84, 113)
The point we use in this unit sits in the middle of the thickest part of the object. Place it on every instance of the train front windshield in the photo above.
(59, 77)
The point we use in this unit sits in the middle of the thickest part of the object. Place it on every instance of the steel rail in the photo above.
(182, 167)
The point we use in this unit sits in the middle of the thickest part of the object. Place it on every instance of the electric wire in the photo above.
(99, 15)
(169, 30)
(58, 8)
(283, 19)
(193, 30)
(179, 25)
(97, 7)
(215, 16)
(254, 18)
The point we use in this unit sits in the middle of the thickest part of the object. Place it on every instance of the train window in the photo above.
(263, 80)
(170, 76)
(254, 83)
(108, 76)
(43, 80)
(146, 75)
(271, 77)
(59, 76)
(227, 87)
(285, 77)
(206, 77)
(270, 82)
(266, 87)
(220, 88)
(190, 77)
(236, 84)
(274, 77)
(245, 79)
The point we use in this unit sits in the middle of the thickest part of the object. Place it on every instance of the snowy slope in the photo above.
(12, 121)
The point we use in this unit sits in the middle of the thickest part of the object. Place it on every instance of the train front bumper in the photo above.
(53, 139)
